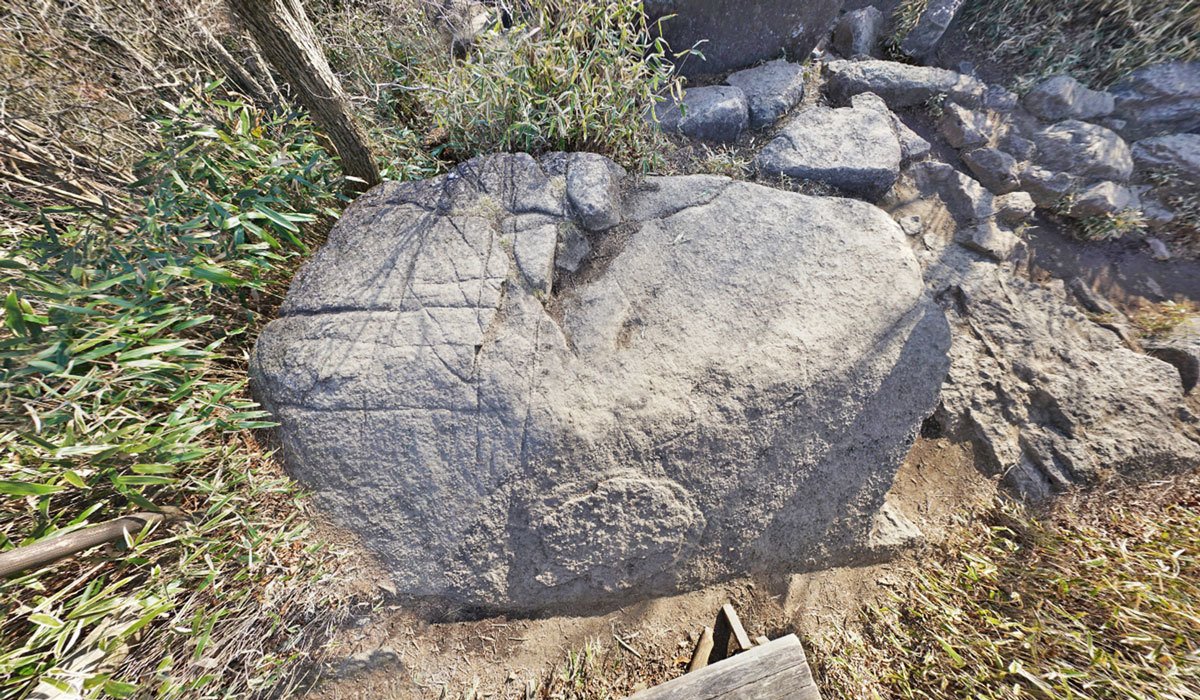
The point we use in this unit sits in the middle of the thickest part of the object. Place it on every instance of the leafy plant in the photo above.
(123, 389)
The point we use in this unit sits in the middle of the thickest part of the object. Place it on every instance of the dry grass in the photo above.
(1097, 598)
(1096, 41)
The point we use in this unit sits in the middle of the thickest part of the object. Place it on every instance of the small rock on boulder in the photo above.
(1063, 97)
(594, 189)
(899, 84)
(1045, 186)
(717, 113)
(853, 149)
(857, 32)
(912, 146)
(771, 89)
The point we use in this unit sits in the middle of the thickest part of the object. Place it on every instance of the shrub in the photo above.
(122, 380)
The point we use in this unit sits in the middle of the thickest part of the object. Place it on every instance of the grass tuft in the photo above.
(1098, 598)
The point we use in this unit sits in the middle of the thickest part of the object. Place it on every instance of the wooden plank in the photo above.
(774, 670)
(735, 624)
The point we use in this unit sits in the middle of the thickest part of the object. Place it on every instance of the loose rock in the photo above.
(502, 456)
(1177, 153)
(965, 128)
(996, 169)
(964, 197)
(771, 89)
(1158, 249)
(990, 239)
(1014, 208)
(1099, 199)
(1046, 187)
(857, 32)
(1159, 99)
(912, 146)
(899, 84)
(1084, 150)
(1063, 97)
(934, 21)
(594, 189)
(853, 149)
(717, 113)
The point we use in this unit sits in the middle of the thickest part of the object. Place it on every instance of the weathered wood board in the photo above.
(772, 671)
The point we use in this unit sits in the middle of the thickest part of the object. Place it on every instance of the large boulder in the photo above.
(691, 406)
(1164, 98)
(857, 32)
(1053, 399)
(739, 34)
(855, 149)
(899, 84)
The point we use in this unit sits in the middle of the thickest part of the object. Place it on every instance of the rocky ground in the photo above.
(1061, 368)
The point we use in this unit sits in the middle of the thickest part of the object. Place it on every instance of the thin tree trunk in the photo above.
(289, 43)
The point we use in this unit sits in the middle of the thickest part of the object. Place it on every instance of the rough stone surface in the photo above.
(967, 200)
(771, 89)
(1000, 99)
(1159, 99)
(996, 169)
(900, 84)
(912, 146)
(934, 21)
(965, 128)
(1179, 153)
(1101, 198)
(716, 113)
(1052, 398)
(857, 32)
(740, 34)
(1020, 147)
(1180, 348)
(1063, 97)
(1084, 150)
(695, 408)
(1046, 187)
(989, 239)
(853, 149)
(594, 190)
(1014, 208)
(1158, 250)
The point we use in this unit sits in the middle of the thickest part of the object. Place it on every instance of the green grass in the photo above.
(1099, 598)
(123, 388)
(565, 76)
